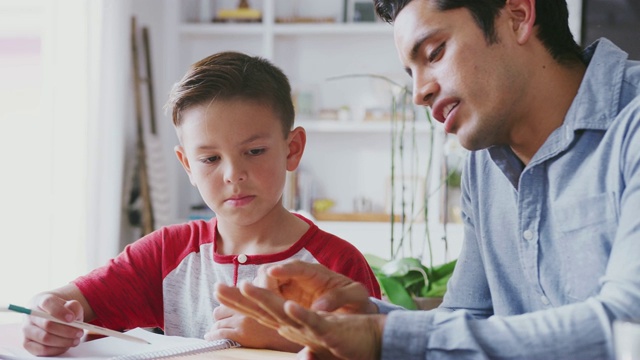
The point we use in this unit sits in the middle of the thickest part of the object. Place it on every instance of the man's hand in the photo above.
(43, 337)
(325, 335)
(296, 299)
(315, 287)
(230, 324)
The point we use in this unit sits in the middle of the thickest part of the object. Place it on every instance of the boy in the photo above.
(234, 116)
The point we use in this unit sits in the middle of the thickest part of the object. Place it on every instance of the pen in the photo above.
(75, 324)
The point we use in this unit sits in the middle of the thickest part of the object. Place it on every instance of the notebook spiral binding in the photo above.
(181, 351)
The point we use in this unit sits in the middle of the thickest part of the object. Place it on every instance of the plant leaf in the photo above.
(396, 293)
(400, 267)
(444, 270)
(438, 287)
(375, 262)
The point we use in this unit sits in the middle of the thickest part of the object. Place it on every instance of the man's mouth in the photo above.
(443, 108)
(447, 109)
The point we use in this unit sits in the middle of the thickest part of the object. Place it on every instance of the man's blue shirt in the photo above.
(551, 254)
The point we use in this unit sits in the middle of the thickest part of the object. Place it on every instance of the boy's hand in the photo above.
(230, 324)
(47, 338)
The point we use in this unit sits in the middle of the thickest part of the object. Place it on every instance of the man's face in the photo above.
(473, 87)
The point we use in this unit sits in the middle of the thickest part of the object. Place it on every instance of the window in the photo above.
(44, 142)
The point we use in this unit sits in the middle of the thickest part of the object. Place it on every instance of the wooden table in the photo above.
(11, 337)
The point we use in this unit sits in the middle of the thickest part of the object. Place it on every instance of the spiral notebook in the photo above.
(117, 349)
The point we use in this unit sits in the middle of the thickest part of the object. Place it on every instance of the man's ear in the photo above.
(296, 141)
(182, 157)
(522, 15)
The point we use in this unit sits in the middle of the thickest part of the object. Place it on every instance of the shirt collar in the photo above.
(598, 98)
(594, 107)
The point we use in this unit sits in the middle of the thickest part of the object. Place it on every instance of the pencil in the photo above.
(76, 324)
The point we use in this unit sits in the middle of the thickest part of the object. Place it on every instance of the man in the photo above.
(550, 196)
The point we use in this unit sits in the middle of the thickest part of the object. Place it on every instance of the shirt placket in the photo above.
(530, 201)
(238, 260)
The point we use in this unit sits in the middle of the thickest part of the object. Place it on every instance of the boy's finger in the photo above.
(263, 279)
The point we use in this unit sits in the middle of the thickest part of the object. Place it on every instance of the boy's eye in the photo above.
(256, 151)
(211, 159)
(435, 54)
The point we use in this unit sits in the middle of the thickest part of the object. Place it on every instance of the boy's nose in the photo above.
(234, 174)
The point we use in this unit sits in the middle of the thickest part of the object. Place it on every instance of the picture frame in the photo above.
(359, 11)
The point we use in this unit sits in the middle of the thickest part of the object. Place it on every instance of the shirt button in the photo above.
(544, 300)
(527, 234)
(242, 258)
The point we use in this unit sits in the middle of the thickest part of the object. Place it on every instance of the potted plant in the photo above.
(409, 283)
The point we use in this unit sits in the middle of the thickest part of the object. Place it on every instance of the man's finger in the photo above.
(306, 318)
(269, 302)
(354, 297)
(298, 269)
(233, 298)
(314, 326)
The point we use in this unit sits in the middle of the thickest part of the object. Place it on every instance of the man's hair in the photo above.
(552, 19)
(233, 75)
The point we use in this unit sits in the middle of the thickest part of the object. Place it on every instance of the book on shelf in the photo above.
(298, 191)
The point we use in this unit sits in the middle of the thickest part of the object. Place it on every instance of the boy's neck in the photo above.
(272, 234)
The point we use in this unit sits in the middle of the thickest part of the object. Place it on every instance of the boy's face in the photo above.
(473, 87)
(236, 155)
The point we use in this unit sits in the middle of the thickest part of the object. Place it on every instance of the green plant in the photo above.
(404, 277)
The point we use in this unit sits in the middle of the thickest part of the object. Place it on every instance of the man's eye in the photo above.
(256, 151)
(435, 54)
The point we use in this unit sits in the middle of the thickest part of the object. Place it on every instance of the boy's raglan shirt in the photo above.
(166, 279)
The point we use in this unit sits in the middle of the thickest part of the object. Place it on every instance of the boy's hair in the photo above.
(552, 19)
(230, 75)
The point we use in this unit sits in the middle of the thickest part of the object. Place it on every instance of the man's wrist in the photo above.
(378, 326)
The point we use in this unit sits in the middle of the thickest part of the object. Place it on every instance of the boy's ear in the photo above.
(297, 141)
(522, 14)
(182, 157)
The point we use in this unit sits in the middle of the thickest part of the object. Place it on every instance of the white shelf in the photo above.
(335, 126)
(214, 29)
(332, 29)
(200, 29)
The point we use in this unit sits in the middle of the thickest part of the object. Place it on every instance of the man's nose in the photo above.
(425, 89)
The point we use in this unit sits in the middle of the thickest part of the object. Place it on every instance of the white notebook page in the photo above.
(114, 348)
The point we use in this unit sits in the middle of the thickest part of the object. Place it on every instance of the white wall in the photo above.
(314, 59)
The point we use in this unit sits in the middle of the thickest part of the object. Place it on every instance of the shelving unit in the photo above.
(346, 160)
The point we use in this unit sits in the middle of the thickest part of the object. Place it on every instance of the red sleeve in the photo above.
(342, 257)
(128, 291)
